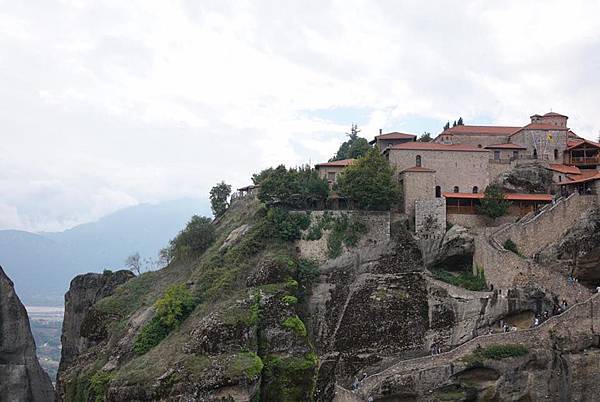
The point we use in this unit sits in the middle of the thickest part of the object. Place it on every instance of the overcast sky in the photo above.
(106, 104)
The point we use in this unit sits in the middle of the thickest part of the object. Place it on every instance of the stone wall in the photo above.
(476, 221)
(534, 234)
(528, 139)
(416, 186)
(430, 218)
(378, 233)
(482, 140)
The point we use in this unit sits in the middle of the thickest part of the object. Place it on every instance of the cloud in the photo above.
(107, 104)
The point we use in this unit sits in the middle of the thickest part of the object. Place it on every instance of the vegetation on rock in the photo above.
(192, 241)
(354, 147)
(511, 246)
(295, 324)
(294, 188)
(219, 196)
(99, 385)
(369, 182)
(463, 279)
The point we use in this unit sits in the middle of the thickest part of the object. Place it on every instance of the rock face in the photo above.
(21, 376)
(456, 250)
(82, 327)
(527, 178)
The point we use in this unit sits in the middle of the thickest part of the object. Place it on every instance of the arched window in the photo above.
(419, 160)
(555, 153)
(478, 145)
(475, 190)
(438, 191)
(534, 153)
(456, 189)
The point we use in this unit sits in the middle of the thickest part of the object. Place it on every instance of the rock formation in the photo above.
(21, 377)
(527, 178)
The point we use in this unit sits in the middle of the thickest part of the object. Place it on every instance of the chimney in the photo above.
(380, 131)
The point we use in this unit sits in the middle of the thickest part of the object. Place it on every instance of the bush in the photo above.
(344, 230)
(192, 241)
(219, 196)
(464, 280)
(369, 182)
(498, 352)
(283, 225)
(355, 147)
(171, 310)
(99, 385)
(289, 300)
(511, 246)
(289, 379)
(292, 188)
(295, 324)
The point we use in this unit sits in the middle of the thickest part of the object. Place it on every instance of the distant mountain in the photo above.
(42, 265)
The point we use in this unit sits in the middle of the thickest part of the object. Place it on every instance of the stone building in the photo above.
(384, 141)
(330, 170)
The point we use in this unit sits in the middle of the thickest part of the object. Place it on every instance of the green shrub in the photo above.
(292, 188)
(295, 324)
(99, 385)
(171, 309)
(255, 311)
(248, 364)
(289, 379)
(493, 203)
(284, 225)
(511, 246)
(464, 280)
(192, 241)
(344, 230)
(289, 300)
(107, 272)
(497, 352)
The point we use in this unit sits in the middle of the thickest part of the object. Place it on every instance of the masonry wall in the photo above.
(416, 186)
(430, 218)
(481, 141)
(559, 142)
(534, 234)
(324, 172)
(476, 221)
(453, 168)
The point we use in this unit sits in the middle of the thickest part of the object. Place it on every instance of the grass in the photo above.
(464, 279)
(246, 364)
(295, 324)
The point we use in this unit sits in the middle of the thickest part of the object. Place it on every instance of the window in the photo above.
(438, 191)
(534, 153)
(419, 160)
(478, 145)
(555, 153)
(475, 190)
(497, 155)
(456, 189)
(331, 176)
(516, 154)
(559, 178)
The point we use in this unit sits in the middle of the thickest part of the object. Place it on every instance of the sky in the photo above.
(107, 104)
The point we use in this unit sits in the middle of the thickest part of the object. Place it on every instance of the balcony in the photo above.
(585, 160)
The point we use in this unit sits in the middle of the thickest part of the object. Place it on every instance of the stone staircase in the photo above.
(534, 337)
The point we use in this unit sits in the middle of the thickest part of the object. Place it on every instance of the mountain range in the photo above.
(42, 264)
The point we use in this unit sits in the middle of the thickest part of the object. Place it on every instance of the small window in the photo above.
(555, 153)
(331, 176)
(535, 153)
(475, 190)
(478, 145)
(497, 155)
(456, 189)
(559, 178)
(438, 191)
(516, 154)
(418, 160)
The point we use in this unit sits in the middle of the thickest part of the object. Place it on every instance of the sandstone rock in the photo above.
(21, 377)
(456, 250)
(235, 236)
(527, 178)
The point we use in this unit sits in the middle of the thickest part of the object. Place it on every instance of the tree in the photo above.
(446, 126)
(134, 264)
(257, 178)
(192, 241)
(353, 148)
(460, 122)
(369, 182)
(425, 137)
(454, 124)
(219, 196)
(493, 203)
(293, 188)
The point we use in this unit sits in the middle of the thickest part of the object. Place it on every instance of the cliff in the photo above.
(21, 377)
(301, 307)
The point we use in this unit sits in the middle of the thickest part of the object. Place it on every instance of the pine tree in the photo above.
(454, 124)
(447, 126)
(460, 121)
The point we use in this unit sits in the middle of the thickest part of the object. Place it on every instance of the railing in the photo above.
(581, 160)
(459, 209)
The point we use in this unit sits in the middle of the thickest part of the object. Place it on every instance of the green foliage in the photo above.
(344, 230)
(354, 147)
(219, 196)
(107, 272)
(307, 273)
(99, 385)
(369, 182)
(258, 178)
(511, 246)
(255, 310)
(464, 280)
(192, 241)
(128, 297)
(171, 310)
(295, 324)
(289, 379)
(497, 352)
(425, 137)
(293, 188)
(493, 203)
(323, 222)
(289, 300)
(248, 364)
(285, 225)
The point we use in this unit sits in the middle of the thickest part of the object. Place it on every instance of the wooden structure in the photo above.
(583, 154)
(520, 204)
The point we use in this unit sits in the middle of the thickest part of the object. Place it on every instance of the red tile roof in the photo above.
(575, 143)
(395, 136)
(539, 126)
(554, 114)
(508, 196)
(557, 167)
(340, 163)
(506, 146)
(582, 178)
(435, 146)
(482, 130)
(417, 169)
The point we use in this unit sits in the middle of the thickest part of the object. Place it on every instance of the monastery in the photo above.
(446, 178)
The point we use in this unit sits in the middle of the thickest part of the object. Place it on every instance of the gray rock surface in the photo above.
(456, 250)
(527, 178)
(21, 376)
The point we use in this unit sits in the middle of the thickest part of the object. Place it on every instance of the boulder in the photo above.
(456, 250)
(526, 178)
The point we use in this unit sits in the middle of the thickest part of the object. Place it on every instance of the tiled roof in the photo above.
(539, 126)
(434, 146)
(582, 178)
(483, 130)
(506, 146)
(557, 167)
(508, 196)
(417, 169)
(393, 136)
(554, 114)
(340, 163)
(575, 143)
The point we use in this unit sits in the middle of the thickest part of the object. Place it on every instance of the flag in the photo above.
(550, 137)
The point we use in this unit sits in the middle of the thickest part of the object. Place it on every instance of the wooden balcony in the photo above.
(585, 160)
